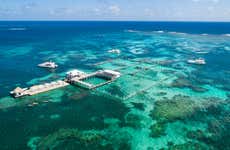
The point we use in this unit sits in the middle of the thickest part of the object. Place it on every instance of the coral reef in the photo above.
(133, 120)
(119, 140)
(87, 140)
(197, 134)
(228, 95)
(161, 94)
(178, 107)
(157, 129)
(78, 96)
(139, 106)
(219, 135)
(208, 107)
(216, 135)
(189, 146)
(116, 90)
(182, 82)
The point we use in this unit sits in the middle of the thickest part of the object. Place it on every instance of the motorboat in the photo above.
(115, 51)
(48, 64)
(32, 104)
(199, 61)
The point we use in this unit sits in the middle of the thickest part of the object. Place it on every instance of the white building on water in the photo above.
(75, 74)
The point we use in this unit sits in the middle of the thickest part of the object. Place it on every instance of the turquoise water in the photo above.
(95, 80)
(159, 102)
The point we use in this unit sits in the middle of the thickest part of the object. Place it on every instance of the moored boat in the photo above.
(48, 64)
(115, 51)
(199, 61)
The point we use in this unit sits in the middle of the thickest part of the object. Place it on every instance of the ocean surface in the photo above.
(159, 102)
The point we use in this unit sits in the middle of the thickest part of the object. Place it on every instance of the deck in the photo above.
(36, 89)
(46, 87)
(77, 80)
(80, 81)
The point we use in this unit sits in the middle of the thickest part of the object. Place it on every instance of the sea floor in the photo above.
(159, 102)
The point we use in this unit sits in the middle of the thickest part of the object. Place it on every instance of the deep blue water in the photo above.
(99, 26)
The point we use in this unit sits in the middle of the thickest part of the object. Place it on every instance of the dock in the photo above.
(46, 87)
(36, 89)
(79, 78)
(74, 77)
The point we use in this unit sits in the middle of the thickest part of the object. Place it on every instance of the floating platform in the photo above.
(79, 78)
(74, 77)
(199, 61)
(48, 64)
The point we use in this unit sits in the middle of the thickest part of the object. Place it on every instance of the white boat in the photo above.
(32, 104)
(199, 61)
(115, 51)
(48, 64)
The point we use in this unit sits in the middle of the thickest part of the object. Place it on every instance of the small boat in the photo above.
(115, 51)
(46, 101)
(199, 61)
(48, 64)
(35, 103)
(32, 104)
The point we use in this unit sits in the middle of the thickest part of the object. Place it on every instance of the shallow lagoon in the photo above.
(160, 101)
